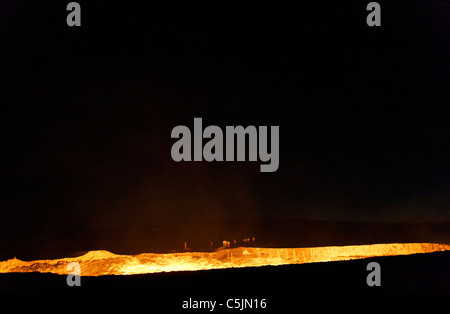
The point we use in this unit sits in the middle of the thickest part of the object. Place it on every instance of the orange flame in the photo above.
(97, 263)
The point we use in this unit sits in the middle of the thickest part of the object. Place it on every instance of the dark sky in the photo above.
(87, 112)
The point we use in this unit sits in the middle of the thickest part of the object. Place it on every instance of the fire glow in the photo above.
(98, 263)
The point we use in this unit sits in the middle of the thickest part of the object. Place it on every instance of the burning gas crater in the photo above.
(98, 263)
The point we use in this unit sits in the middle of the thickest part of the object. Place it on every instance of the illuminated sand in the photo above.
(97, 263)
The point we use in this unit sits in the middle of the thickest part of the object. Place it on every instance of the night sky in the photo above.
(87, 112)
